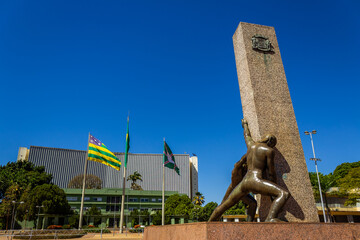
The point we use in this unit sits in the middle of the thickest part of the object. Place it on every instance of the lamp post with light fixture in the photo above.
(39, 207)
(317, 172)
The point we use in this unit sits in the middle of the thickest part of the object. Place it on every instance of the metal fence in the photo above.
(63, 233)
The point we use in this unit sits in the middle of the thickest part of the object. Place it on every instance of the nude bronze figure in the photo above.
(247, 177)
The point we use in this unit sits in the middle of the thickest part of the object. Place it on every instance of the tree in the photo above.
(237, 209)
(177, 205)
(23, 174)
(195, 213)
(350, 186)
(134, 214)
(157, 218)
(135, 177)
(206, 211)
(94, 212)
(48, 195)
(343, 169)
(7, 206)
(199, 199)
(74, 220)
(17, 179)
(92, 182)
(326, 182)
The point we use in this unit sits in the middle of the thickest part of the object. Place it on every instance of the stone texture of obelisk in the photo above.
(267, 107)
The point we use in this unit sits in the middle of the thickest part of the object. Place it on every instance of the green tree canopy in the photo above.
(343, 169)
(177, 205)
(50, 196)
(326, 182)
(93, 211)
(239, 208)
(207, 210)
(23, 174)
(156, 218)
(350, 185)
(202, 214)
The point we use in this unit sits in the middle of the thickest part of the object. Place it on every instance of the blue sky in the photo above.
(70, 67)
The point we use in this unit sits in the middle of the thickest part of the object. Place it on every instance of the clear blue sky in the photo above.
(70, 67)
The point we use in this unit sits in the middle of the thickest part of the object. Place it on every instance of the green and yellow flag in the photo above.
(98, 152)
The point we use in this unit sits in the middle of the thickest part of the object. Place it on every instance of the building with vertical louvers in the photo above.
(65, 164)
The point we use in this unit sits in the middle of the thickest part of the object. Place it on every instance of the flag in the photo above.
(169, 160)
(98, 152)
(127, 144)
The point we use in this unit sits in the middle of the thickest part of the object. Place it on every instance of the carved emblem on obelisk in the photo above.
(261, 43)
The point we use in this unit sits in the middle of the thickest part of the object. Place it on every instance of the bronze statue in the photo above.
(247, 177)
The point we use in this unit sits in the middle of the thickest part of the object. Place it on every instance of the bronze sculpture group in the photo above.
(247, 177)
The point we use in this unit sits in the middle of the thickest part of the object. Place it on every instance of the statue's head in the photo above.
(270, 140)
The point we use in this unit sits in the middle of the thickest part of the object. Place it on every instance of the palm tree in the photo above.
(199, 199)
(135, 177)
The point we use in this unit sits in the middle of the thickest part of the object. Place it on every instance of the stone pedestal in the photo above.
(249, 231)
(268, 108)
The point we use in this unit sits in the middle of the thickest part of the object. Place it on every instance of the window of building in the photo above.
(112, 208)
(86, 198)
(159, 199)
(132, 208)
(97, 199)
(144, 200)
(153, 199)
(133, 200)
(113, 199)
(71, 198)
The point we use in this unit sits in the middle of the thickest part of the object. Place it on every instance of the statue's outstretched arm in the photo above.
(248, 139)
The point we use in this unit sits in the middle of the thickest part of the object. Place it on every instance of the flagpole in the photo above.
(122, 202)
(123, 187)
(83, 189)
(163, 191)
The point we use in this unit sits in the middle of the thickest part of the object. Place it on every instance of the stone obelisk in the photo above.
(267, 107)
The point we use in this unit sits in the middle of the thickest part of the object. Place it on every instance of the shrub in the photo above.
(54, 227)
(67, 226)
(137, 230)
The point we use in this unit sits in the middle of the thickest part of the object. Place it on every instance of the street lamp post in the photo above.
(39, 207)
(317, 172)
(14, 213)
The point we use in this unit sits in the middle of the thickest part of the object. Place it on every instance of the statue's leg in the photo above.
(229, 190)
(266, 187)
(234, 198)
(252, 204)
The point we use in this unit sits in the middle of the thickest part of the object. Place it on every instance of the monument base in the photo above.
(225, 231)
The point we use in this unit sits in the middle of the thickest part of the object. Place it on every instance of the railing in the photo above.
(62, 233)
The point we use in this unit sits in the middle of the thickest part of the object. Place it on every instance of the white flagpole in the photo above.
(83, 189)
(163, 190)
(122, 201)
